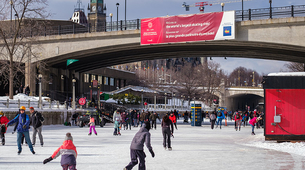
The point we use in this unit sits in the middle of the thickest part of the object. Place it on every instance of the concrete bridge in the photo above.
(275, 39)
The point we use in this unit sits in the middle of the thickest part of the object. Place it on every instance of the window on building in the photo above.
(105, 80)
(93, 77)
(86, 78)
(100, 79)
(111, 81)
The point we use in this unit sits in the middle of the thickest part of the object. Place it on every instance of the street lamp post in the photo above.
(125, 16)
(155, 100)
(174, 101)
(117, 16)
(242, 10)
(142, 99)
(40, 101)
(11, 3)
(222, 6)
(165, 94)
(253, 81)
(73, 102)
(111, 14)
(270, 1)
(181, 101)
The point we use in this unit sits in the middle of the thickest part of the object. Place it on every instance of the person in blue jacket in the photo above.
(22, 129)
(220, 116)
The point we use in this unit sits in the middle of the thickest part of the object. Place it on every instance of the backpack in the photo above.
(237, 116)
(219, 114)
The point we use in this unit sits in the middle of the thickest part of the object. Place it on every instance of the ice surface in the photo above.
(194, 148)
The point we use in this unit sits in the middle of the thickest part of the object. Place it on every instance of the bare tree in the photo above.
(211, 79)
(18, 36)
(295, 67)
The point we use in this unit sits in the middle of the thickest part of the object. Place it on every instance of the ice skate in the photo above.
(19, 152)
(89, 134)
(169, 149)
(119, 133)
(239, 128)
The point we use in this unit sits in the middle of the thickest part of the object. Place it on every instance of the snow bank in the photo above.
(288, 147)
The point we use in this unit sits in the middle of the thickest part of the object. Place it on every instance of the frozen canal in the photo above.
(194, 148)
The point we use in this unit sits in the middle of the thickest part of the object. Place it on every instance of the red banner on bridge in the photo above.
(185, 28)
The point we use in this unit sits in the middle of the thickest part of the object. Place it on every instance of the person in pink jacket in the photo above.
(238, 117)
(92, 125)
(68, 154)
(253, 121)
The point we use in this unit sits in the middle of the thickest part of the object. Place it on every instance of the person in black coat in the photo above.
(37, 120)
(167, 131)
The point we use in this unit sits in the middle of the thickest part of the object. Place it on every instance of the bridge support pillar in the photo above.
(30, 77)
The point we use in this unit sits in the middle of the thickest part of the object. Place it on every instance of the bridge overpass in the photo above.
(275, 39)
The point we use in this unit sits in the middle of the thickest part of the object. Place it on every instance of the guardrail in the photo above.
(269, 13)
(241, 15)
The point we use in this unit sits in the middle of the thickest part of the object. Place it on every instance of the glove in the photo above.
(24, 126)
(47, 160)
(152, 152)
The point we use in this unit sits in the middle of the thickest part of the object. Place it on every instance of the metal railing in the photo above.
(241, 15)
(269, 13)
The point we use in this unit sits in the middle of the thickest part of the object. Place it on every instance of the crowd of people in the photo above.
(123, 119)
(253, 118)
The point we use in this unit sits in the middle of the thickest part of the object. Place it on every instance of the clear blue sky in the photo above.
(137, 9)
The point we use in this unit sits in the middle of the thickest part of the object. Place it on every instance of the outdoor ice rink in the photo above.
(194, 148)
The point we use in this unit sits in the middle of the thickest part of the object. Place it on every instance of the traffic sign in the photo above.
(82, 101)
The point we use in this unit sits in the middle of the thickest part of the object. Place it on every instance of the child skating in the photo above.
(92, 125)
(116, 127)
(68, 154)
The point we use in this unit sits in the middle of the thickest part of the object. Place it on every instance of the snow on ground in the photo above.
(292, 148)
(194, 148)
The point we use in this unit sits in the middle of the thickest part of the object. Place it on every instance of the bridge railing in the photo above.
(269, 13)
(241, 15)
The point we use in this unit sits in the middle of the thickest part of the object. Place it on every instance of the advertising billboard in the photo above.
(188, 28)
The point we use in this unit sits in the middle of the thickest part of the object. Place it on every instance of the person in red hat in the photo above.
(37, 120)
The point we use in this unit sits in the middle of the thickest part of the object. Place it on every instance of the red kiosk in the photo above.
(284, 106)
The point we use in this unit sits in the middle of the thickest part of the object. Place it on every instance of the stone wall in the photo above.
(50, 117)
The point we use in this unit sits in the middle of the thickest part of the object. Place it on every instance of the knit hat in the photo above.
(69, 137)
(31, 108)
(1, 113)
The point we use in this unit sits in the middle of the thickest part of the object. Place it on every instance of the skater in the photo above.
(116, 127)
(128, 121)
(220, 116)
(22, 129)
(135, 116)
(141, 118)
(213, 119)
(186, 117)
(37, 120)
(117, 114)
(153, 119)
(123, 121)
(68, 154)
(237, 119)
(137, 147)
(3, 121)
(92, 125)
(246, 118)
(172, 117)
(167, 132)
(253, 121)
